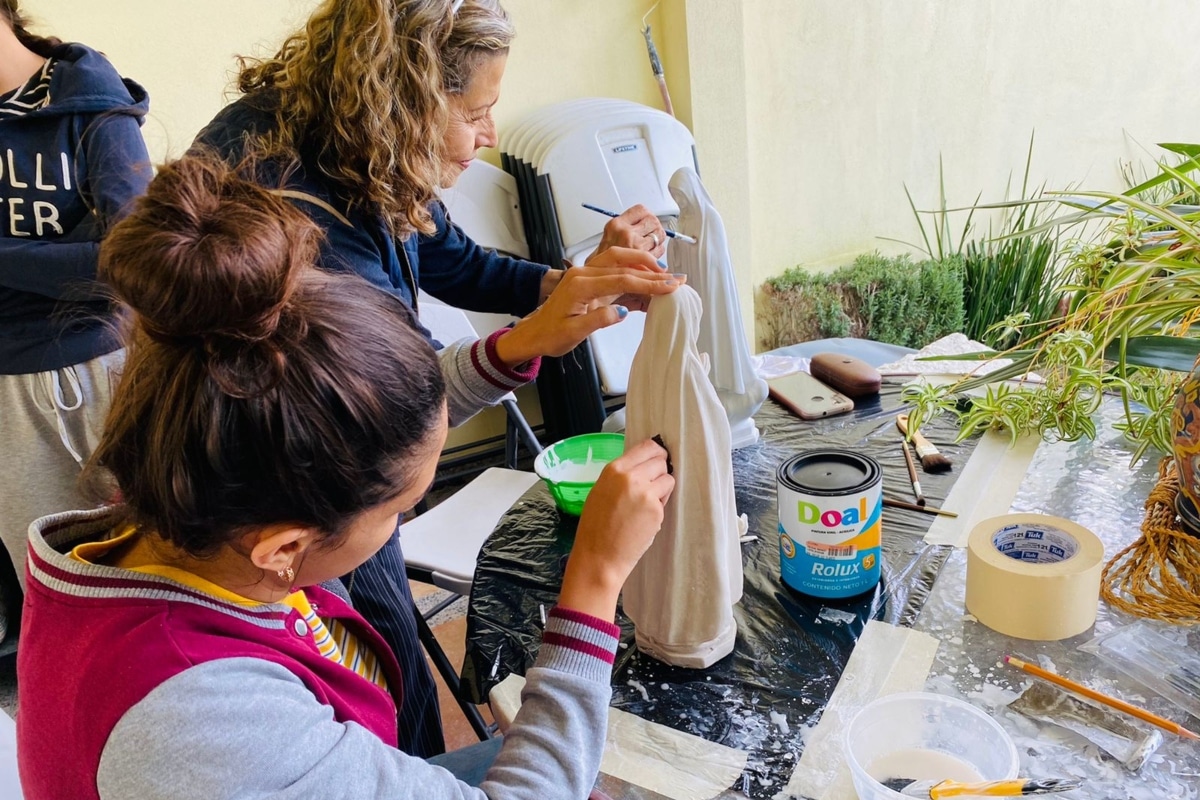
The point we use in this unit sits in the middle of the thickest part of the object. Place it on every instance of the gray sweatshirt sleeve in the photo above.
(244, 727)
(475, 378)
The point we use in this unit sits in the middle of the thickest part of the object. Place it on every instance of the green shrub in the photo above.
(886, 299)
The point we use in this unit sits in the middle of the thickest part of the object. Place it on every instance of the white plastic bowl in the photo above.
(923, 721)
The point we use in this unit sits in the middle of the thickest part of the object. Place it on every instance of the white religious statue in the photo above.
(721, 335)
(681, 594)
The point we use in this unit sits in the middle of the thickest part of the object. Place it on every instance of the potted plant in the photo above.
(1127, 326)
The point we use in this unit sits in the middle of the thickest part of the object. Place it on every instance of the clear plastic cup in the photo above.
(918, 730)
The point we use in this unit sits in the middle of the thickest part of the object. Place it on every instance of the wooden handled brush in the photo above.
(931, 459)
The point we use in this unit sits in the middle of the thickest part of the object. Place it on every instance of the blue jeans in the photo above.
(469, 764)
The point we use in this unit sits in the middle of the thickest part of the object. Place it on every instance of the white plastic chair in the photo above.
(443, 543)
(441, 547)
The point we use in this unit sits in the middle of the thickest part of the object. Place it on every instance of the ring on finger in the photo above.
(654, 238)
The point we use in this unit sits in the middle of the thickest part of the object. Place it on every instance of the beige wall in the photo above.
(574, 48)
(809, 115)
(182, 52)
(850, 101)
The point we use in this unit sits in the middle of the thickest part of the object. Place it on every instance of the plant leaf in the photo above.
(1176, 353)
(1163, 177)
(1189, 150)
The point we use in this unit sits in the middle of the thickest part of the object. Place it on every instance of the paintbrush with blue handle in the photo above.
(683, 237)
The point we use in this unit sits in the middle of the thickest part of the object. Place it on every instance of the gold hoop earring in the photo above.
(287, 574)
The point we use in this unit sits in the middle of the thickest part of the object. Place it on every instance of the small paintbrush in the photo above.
(912, 474)
(683, 237)
(888, 501)
(931, 459)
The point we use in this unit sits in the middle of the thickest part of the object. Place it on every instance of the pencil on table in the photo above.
(1111, 702)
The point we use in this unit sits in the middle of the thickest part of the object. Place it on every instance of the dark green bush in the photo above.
(891, 300)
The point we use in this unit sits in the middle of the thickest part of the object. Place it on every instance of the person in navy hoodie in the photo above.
(366, 112)
(72, 158)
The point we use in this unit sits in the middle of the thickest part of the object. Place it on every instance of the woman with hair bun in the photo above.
(71, 159)
(365, 113)
(272, 422)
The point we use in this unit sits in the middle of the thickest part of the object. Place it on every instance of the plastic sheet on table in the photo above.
(791, 649)
(1093, 484)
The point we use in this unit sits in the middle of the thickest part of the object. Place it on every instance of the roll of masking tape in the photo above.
(1033, 576)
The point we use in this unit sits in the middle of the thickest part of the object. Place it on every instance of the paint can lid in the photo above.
(829, 472)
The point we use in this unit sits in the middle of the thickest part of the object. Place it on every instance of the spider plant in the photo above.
(1128, 327)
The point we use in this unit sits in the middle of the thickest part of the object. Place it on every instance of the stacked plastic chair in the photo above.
(609, 153)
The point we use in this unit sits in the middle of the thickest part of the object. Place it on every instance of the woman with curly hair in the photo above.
(365, 113)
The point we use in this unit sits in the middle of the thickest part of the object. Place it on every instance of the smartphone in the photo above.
(807, 397)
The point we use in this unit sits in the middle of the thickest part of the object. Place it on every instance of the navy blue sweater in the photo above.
(67, 172)
(447, 265)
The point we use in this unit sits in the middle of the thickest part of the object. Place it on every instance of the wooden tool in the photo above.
(931, 459)
(912, 474)
(1111, 702)
(887, 501)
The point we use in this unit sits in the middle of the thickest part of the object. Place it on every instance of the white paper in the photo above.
(675, 764)
(956, 344)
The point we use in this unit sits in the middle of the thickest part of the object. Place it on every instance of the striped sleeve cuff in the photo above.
(488, 364)
(578, 643)
(473, 381)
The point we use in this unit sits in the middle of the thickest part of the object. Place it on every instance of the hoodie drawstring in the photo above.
(52, 384)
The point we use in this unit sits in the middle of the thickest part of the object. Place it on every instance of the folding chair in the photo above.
(441, 547)
(448, 325)
(442, 544)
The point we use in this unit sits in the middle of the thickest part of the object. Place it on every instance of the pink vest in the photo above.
(96, 640)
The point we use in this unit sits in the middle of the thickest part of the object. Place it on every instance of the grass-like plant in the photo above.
(1128, 328)
(1009, 274)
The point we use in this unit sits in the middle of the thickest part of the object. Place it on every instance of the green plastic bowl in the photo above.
(600, 448)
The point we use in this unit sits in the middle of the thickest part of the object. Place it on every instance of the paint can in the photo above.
(830, 512)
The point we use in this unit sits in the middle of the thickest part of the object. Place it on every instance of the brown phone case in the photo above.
(806, 397)
(849, 375)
